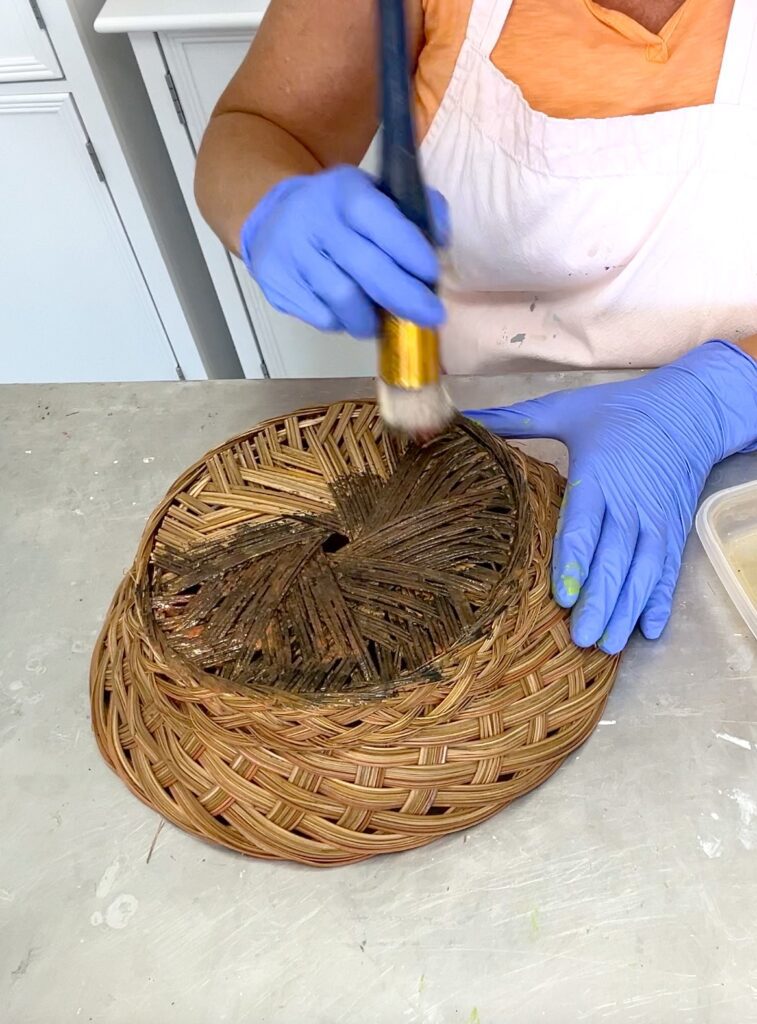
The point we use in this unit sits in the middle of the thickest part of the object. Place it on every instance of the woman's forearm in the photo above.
(241, 157)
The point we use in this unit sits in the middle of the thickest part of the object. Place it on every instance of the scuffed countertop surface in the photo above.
(624, 889)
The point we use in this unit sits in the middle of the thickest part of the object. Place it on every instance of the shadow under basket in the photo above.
(333, 645)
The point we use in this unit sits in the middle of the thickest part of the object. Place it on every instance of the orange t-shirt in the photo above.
(575, 58)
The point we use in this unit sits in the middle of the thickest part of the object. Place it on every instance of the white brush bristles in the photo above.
(420, 412)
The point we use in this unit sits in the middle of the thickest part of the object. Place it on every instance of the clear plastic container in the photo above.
(727, 526)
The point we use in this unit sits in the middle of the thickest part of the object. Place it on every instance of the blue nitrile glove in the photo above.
(640, 452)
(326, 247)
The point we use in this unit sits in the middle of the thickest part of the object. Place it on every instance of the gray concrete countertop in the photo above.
(624, 889)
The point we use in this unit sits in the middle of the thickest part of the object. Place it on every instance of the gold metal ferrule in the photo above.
(408, 354)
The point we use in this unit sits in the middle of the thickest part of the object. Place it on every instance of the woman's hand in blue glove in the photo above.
(640, 452)
(328, 247)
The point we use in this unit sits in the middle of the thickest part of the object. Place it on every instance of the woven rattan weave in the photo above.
(331, 645)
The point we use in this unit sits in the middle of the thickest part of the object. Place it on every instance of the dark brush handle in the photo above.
(400, 171)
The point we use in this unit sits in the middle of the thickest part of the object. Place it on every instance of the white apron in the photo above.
(612, 242)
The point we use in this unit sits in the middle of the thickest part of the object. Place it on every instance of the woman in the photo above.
(599, 162)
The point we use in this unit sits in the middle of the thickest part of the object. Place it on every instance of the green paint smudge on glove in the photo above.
(571, 585)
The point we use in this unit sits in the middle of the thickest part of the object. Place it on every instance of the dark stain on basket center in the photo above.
(396, 568)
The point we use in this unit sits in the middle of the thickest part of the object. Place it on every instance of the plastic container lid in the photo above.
(727, 526)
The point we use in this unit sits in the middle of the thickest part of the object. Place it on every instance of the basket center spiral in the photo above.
(339, 575)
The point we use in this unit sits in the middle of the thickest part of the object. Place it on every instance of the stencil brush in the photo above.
(411, 396)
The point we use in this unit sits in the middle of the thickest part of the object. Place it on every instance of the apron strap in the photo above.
(485, 23)
(737, 84)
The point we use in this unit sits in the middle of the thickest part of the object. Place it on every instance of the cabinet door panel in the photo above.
(26, 53)
(201, 64)
(74, 303)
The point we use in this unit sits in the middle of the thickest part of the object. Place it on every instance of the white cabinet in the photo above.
(185, 70)
(101, 274)
(26, 53)
(75, 305)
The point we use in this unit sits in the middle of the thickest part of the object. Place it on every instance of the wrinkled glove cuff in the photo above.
(260, 213)
(728, 376)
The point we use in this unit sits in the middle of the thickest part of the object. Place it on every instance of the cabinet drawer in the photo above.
(26, 53)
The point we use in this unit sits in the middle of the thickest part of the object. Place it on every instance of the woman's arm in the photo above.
(303, 99)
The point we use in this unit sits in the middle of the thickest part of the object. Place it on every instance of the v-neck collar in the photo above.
(657, 43)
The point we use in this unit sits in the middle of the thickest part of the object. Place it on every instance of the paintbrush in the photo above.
(411, 395)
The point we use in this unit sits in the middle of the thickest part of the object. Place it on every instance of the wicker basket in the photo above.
(332, 646)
